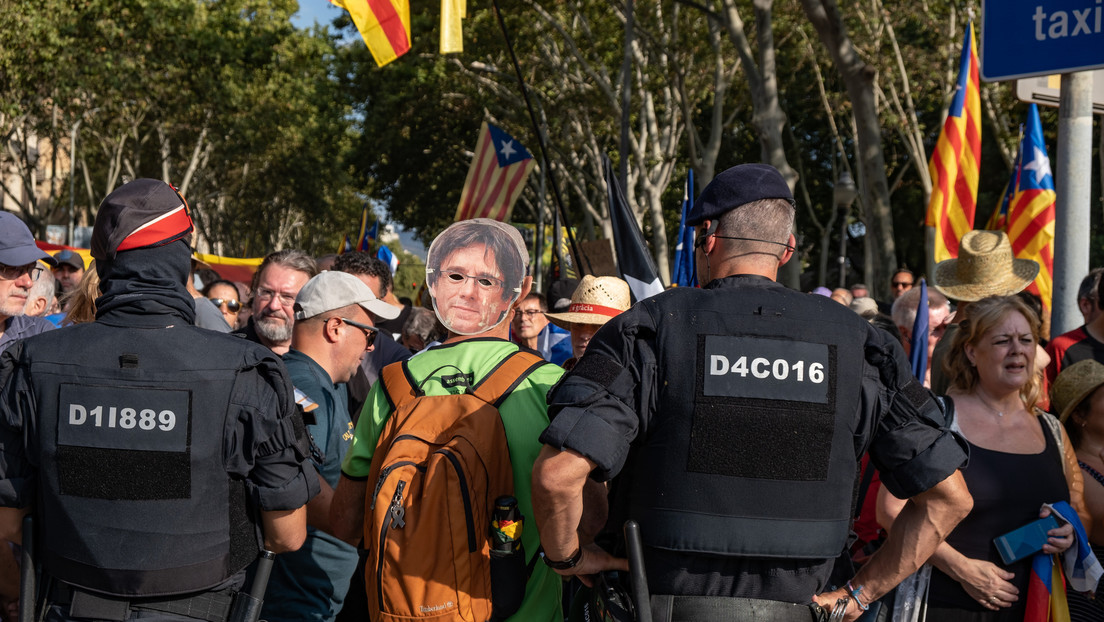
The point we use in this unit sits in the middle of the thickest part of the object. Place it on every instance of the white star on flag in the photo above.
(508, 149)
(1040, 165)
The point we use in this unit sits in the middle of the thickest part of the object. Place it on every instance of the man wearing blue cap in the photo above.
(157, 458)
(69, 270)
(731, 419)
(19, 269)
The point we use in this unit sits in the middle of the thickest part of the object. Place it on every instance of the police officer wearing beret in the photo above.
(157, 458)
(731, 419)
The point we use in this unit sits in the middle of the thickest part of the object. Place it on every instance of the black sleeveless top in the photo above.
(1008, 490)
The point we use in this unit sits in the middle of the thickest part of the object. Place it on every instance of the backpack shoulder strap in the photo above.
(506, 376)
(398, 386)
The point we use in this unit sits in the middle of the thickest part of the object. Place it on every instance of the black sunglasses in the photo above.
(232, 305)
(369, 331)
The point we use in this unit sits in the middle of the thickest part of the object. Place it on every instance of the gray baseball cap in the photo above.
(334, 290)
(17, 245)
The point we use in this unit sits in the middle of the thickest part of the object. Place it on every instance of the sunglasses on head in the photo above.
(233, 306)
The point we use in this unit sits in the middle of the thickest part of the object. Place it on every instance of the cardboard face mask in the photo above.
(475, 270)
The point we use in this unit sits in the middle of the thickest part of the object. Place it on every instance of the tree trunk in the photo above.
(859, 79)
(768, 117)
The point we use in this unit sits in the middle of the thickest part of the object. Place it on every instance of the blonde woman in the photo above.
(1019, 459)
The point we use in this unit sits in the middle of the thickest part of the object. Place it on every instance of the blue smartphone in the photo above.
(1027, 540)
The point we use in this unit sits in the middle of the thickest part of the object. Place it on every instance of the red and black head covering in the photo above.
(144, 213)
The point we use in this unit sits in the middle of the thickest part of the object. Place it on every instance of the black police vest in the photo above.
(134, 498)
(751, 449)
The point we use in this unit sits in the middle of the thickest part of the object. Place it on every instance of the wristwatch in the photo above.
(566, 564)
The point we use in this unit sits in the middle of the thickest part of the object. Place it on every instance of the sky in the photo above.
(322, 12)
(311, 11)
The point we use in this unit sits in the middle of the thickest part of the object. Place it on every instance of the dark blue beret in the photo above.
(738, 186)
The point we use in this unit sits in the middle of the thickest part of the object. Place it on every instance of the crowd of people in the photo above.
(167, 430)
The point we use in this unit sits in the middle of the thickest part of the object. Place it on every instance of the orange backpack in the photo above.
(440, 463)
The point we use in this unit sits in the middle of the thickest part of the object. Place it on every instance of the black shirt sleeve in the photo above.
(267, 443)
(600, 407)
(911, 446)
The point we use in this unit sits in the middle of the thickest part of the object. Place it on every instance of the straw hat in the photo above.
(1074, 384)
(985, 267)
(595, 301)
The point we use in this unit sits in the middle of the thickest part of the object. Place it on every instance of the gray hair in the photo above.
(44, 287)
(904, 308)
(766, 219)
(289, 258)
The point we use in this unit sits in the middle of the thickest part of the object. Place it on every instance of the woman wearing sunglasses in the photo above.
(225, 296)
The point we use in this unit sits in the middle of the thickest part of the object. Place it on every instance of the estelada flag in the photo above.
(1029, 219)
(496, 176)
(384, 25)
(956, 158)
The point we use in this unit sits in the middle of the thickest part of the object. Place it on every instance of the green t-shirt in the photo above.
(524, 416)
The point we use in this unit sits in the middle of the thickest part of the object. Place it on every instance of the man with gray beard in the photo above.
(275, 286)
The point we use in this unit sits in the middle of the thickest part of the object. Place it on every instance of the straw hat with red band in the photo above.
(595, 301)
(140, 214)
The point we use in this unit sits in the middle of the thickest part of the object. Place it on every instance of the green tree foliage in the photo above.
(222, 98)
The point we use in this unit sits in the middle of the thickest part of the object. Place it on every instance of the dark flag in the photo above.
(918, 345)
(684, 273)
(633, 261)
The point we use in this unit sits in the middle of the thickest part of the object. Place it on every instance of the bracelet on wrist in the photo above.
(566, 564)
(854, 592)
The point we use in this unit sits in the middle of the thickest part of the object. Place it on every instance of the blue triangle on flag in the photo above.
(1036, 174)
(508, 150)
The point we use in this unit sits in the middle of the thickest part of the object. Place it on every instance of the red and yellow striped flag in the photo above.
(384, 25)
(496, 176)
(957, 156)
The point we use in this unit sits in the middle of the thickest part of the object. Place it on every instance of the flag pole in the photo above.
(540, 142)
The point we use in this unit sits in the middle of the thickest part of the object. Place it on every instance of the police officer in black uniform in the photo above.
(157, 458)
(733, 418)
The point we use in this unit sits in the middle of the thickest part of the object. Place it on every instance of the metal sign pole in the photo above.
(1073, 188)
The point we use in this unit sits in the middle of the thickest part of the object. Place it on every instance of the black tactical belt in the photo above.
(209, 606)
(667, 608)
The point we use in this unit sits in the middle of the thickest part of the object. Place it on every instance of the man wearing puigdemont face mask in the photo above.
(475, 272)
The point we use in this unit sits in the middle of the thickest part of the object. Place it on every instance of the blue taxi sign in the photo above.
(1021, 38)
